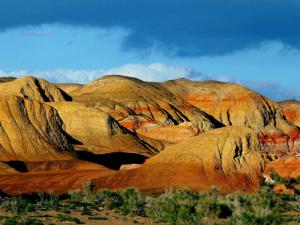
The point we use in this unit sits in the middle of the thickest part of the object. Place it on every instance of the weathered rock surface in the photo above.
(97, 131)
(33, 88)
(291, 110)
(31, 131)
(6, 169)
(67, 87)
(143, 106)
(59, 182)
(287, 167)
(229, 158)
(235, 105)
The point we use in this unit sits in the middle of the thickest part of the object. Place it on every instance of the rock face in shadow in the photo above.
(291, 111)
(145, 108)
(235, 105)
(229, 158)
(67, 88)
(98, 132)
(30, 130)
(33, 88)
(6, 169)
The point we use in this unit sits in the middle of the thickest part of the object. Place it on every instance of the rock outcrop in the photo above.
(235, 105)
(229, 158)
(31, 131)
(33, 88)
(291, 111)
(6, 169)
(287, 167)
(145, 108)
(98, 132)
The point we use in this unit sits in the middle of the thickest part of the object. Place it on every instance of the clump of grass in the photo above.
(48, 202)
(174, 208)
(250, 218)
(68, 218)
(19, 220)
(18, 205)
(109, 199)
(132, 203)
(86, 211)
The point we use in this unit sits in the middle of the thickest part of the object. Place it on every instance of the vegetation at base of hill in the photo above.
(172, 207)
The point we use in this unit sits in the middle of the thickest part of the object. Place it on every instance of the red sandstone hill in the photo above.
(145, 108)
(235, 105)
(119, 131)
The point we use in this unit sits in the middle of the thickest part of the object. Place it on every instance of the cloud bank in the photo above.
(184, 28)
(157, 72)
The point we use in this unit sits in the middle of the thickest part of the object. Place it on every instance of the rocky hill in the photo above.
(145, 108)
(120, 131)
(33, 88)
(235, 105)
(31, 131)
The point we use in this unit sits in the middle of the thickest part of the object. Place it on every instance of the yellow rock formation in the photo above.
(33, 88)
(30, 131)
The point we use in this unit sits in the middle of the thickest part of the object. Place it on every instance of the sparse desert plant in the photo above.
(249, 218)
(68, 218)
(109, 199)
(132, 203)
(86, 211)
(17, 220)
(17, 204)
(209, 205)
(75, 195)
(278, 179)
(162, 208)
(174, 208)
(48, 201)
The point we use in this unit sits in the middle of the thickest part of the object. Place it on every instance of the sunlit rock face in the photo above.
(235, 105)
(291, 111)
(97, 132)
(31, 131)
(33, 88)
(145, 108)
(229, 158)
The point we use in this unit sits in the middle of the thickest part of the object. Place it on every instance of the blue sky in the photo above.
(255, 43)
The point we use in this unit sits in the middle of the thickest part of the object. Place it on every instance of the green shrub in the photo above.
(109, 199)
(249, 218)
(17, 205)
(68, 218)
(48, 201)
(278, 179)
(132, 203)
(86, 211)
(75, 195)
(210, 206)
(162, 208)
(22, 221)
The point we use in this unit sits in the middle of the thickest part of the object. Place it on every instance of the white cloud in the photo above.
(58, 76)
(155, 72)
